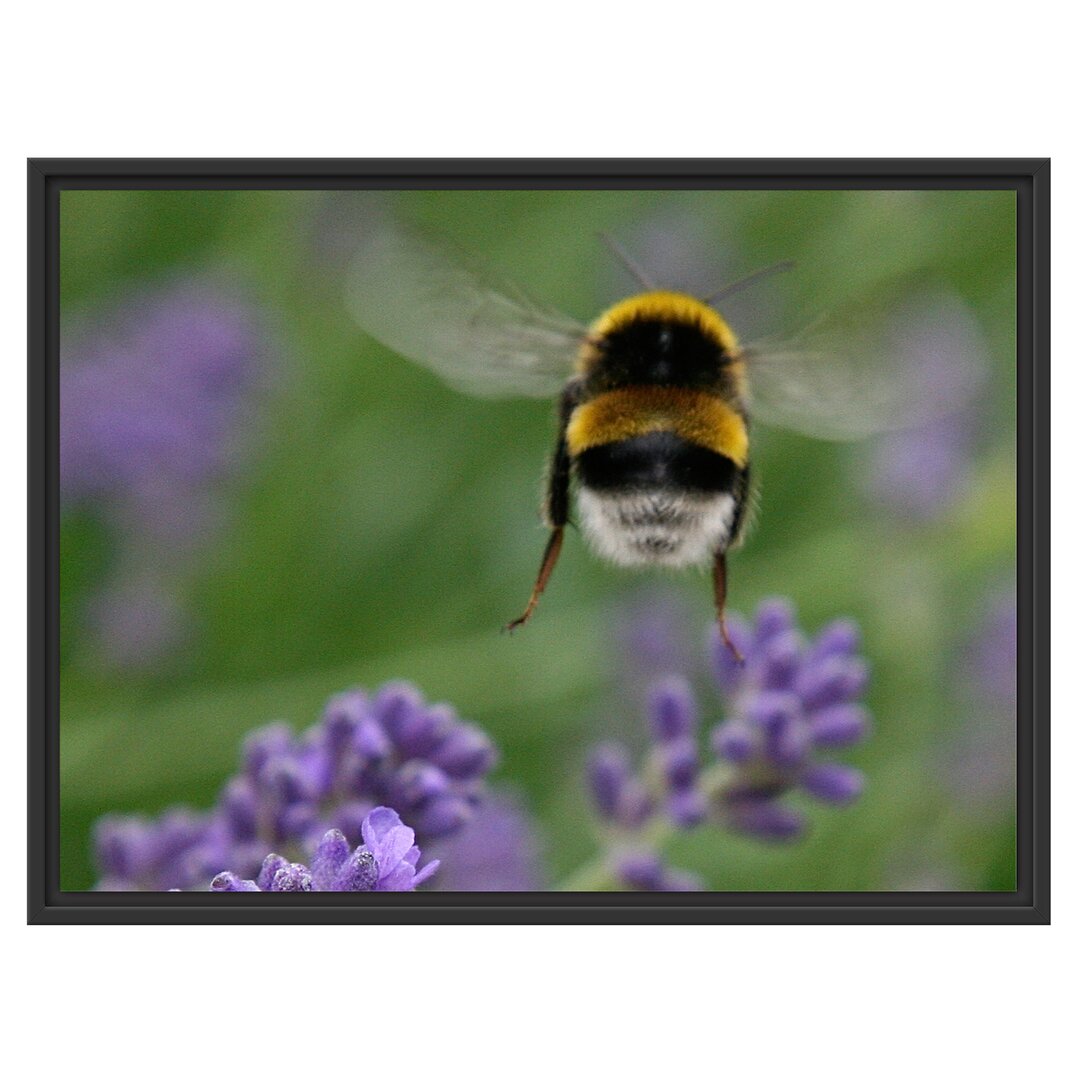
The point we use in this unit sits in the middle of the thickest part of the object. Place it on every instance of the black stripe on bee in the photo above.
(656, 460)
(658, 352)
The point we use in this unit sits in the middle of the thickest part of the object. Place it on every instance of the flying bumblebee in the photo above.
(654, 397)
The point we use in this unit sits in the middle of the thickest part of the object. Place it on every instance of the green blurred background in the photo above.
(380, 525)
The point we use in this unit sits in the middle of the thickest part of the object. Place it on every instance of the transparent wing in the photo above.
(413, 295)
(850, 376)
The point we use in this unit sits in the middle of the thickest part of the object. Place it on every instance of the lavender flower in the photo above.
(154, 399)
(385, 862)
(391, 749)
(920, 471)
(791, 702)
(788, 707)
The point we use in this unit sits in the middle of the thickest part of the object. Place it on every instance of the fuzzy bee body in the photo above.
(656, 433)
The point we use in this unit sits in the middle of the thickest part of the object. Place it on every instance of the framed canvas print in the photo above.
(539, 541)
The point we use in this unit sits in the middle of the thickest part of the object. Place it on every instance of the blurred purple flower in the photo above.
(790, 703)
(920, 471)
(789, 706)
(392, 750)
(154, 405)
(498, 851)
(385, 862)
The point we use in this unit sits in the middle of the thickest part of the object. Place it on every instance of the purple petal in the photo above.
(839, 638)
(422, 875)
(777, 662)
(466, 753)
(229, 882)
(766, 819)
(839, 726)
(378, 824)
(834, 681)
(734, 741)
(833, 783)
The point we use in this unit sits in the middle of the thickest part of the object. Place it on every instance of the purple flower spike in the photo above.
(792, 700)
(390, 750)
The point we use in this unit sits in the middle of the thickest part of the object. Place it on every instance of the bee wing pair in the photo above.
(835, 380)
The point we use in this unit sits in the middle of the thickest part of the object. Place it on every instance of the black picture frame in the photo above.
(1029, 178)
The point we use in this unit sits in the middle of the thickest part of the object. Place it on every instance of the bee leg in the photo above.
(551, 555)
(720, 597)
(556, 505)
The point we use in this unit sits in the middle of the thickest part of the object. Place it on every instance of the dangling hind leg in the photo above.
(720, 598)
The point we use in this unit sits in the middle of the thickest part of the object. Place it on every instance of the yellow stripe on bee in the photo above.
(660, 305)
(697, 416)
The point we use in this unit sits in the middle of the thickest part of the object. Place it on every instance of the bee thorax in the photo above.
(656, 527)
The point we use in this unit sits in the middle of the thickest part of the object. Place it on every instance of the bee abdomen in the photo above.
(658, 499)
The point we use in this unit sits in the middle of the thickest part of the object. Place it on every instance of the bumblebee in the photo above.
(654, 397)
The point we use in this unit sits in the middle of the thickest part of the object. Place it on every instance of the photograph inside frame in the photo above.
(538, 541)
